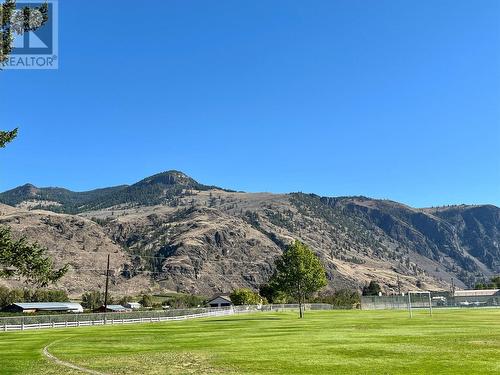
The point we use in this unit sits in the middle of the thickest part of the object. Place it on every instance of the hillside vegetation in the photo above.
(170, 231)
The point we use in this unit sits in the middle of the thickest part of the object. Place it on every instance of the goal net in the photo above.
(419, 300)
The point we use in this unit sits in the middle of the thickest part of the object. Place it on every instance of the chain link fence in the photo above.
(460, 299)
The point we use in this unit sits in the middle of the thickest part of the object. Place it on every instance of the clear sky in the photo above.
(388, 99)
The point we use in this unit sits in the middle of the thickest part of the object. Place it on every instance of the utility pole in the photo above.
(106, 291)
(399, 287)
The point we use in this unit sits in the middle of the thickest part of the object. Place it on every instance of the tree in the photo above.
(9, 296)
(372, 289)
(342, 298)
(7, 136)
(181, 301)
(146, 300)
(245, 297)
(495, 281)
(270, 294)
(45, 295)
(299, 273)
(493, 284)
(20, 258)
(18, 21)
(27, 260)
(124, 300)
(92, 300)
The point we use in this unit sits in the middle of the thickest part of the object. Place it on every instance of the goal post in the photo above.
(424, 297)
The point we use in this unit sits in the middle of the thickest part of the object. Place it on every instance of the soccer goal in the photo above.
(419, 300)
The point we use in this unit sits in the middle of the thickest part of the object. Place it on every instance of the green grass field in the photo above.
(333, 342)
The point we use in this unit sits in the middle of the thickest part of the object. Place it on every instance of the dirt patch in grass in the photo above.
(168, 363)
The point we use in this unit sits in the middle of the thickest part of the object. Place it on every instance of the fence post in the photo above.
(430, 303)
(22, 324)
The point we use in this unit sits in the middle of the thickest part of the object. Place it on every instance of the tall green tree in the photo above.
(299, 274)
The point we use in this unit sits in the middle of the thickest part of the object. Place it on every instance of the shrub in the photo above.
(343, 298)
(94, 299)
(146, 300)
(272, 295)
(245, 297)
(372, 289)
(180, 301)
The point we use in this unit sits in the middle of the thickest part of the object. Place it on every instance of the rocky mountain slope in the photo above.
(76, 241)
(169, 231)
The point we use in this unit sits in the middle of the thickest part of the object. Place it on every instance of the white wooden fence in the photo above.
(29, 322)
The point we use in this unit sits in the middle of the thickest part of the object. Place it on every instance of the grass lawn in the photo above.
(333, 342)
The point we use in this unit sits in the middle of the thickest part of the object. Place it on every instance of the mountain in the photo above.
(181, 235)
(153, 190)
(76, 241)
(55, 199)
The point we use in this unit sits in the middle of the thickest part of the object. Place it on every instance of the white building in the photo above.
(133, 305)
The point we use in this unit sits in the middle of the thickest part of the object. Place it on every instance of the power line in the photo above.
(125, 270)
(136, 273)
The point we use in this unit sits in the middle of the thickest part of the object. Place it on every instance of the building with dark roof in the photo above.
(220, 301)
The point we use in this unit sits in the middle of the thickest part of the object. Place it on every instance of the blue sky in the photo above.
(388, 99)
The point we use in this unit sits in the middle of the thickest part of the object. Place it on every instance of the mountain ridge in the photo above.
(202, 239)
(150, 190)
(173, 177)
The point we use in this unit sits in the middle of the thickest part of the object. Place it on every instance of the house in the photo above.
(112, 308)
(133, 305)
(220, 301)
(33, 307)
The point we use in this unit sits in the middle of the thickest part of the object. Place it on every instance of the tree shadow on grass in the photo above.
(241, 319)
